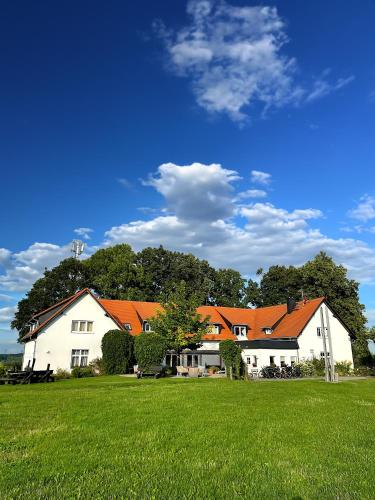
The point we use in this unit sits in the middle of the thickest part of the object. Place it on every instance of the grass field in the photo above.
(113, 437)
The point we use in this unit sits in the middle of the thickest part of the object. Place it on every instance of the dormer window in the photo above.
(267, 330)
(34, 325)
(146, 327)
(240, 331)
(214, 329)
(127, 326)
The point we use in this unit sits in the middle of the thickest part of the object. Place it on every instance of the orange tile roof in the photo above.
(135, 312)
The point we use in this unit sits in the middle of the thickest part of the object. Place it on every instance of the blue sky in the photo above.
(241, 132)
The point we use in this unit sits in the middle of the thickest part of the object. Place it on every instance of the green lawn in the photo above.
(113, 437)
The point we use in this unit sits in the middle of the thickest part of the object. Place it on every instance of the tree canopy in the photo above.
(154, 274)
(179, 323)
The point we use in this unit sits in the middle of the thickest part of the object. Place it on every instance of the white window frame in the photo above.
(213, 329)
(144, 326)
(79, 357)
(85, 323)
(268, 331)
(240, 331)
(248, 360)
(283, 360)
(322, 354)
(293, 360)
(127, 326)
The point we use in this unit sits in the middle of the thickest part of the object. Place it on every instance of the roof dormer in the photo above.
(267, 330)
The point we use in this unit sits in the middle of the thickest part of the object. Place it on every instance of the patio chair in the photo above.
(182, 371)
(194, 372)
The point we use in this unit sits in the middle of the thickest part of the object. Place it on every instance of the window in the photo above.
(34, 326)
(240, 330)
(214, 329)
(255, 361)
(319, 331)
(293, 360)
(127, 326)
(272, 360)
(282, 361)
(79, 357)
(322, 354)
(146, 326)
(267, 330)
(82, 326)
(248, 360)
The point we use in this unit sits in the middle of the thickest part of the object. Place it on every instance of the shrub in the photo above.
(150, 349)
(82, 372)
(231, 354)
(96, 366)
(213, 369)
(306, 368)
(61, 374)
(118, 352)
(319, 366)
(363, 371)
(343, 368)
(2, 369)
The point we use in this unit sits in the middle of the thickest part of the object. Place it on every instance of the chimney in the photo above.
(290, 304)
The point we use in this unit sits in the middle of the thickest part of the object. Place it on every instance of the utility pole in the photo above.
(331, 360)
(323, 332)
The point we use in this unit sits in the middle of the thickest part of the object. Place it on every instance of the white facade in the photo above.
(55, 343)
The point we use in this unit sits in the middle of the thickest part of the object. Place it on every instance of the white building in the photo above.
(70, 333)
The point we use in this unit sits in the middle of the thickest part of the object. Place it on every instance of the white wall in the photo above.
(263, 356)
(55, 342)
(310, 345)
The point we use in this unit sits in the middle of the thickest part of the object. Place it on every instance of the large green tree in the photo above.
(319, 277)
(228, 289)
(163, 269)
(116, 274)
(56, 284)
(178, 322)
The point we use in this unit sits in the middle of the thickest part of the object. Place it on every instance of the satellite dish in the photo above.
(77, 248)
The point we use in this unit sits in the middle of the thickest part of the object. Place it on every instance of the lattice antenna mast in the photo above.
(77, 248)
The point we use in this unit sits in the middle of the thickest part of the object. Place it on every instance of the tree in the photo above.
(56, 284)
(178, 322)
(319, 277)
(118, 351)
(163, 269)
(231, 354)
(322, 277)
(279, 283)
(150, 349)
(115, 273)
(228, 288)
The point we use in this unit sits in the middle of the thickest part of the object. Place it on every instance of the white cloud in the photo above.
(84, 232)
(259, 177)
(6, 298)
(24, 267)
(126, 183)
(196, 191)
(234, 58)
(250, 193)
(322, 87)
(365, 210)
(259, 236)
(7, 313)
